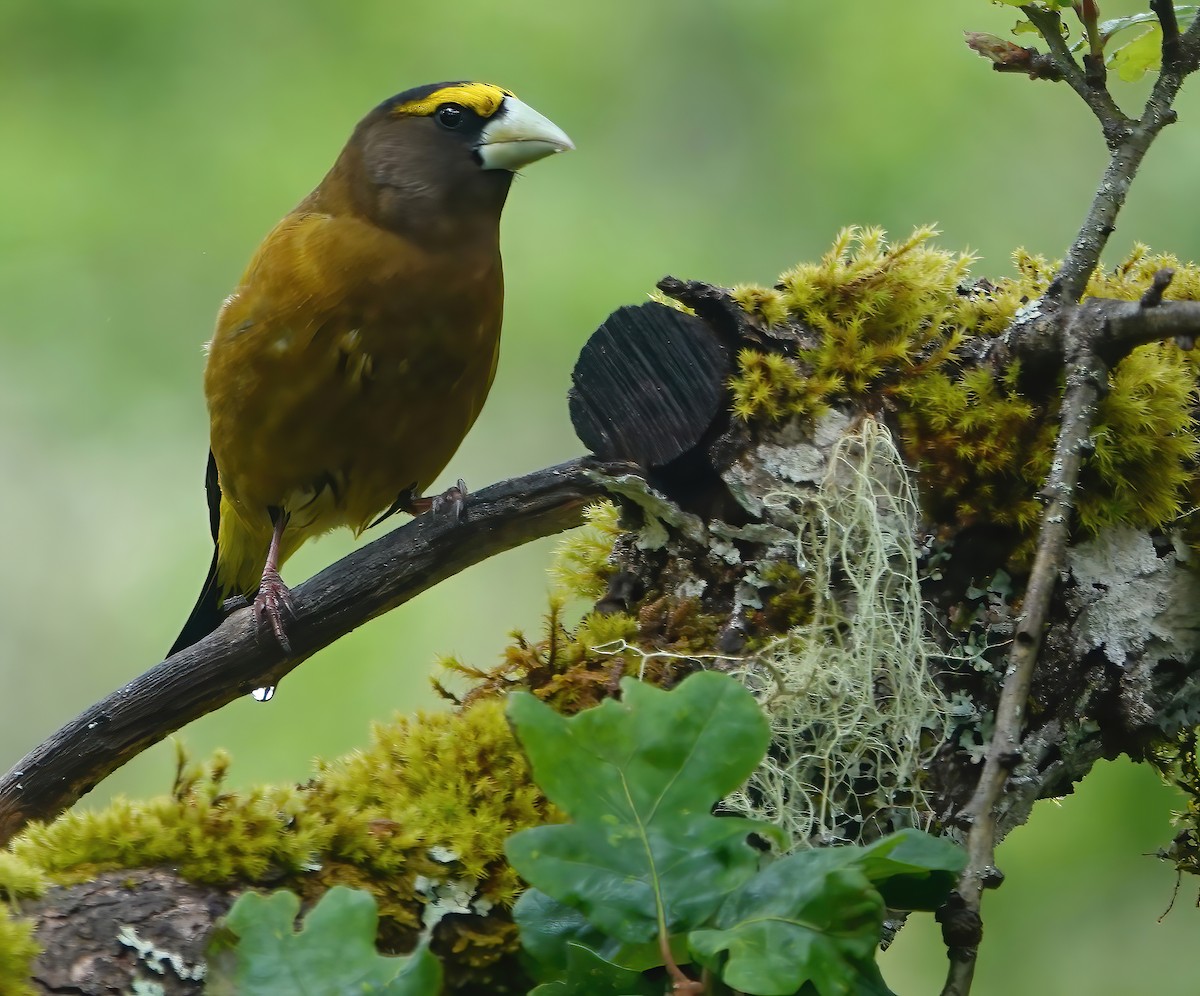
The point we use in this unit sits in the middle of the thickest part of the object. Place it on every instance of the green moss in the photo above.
(770, 385)
(209, 834)
(1145, 442)
(457, 782)
(571, 669)
(429, 800)
(889, 323)
(19, 879)
(768, 304)
(17, 951)
(787, 600)
(581, 567)
(982, 448)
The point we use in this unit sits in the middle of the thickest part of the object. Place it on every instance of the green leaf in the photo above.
(257, 952)
(814, 917)
(798, 921)
(548, 927)
(1184, 15)
(590, 975)
(639, 778)
(913, 870)
(1136, 58)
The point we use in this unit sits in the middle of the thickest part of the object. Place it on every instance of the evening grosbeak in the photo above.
(360, 343)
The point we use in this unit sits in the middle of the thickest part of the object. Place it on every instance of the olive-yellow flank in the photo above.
(361, 341)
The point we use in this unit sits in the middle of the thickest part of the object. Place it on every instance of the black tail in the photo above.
(207, 613)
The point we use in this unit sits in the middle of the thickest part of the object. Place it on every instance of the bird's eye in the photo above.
(449, 115)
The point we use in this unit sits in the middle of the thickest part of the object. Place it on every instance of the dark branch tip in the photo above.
(1153, 296)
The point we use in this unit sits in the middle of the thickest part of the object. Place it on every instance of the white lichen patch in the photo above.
(659, 513)
(795, 455)
(1129, 600)
(445, 896)
(158, 960)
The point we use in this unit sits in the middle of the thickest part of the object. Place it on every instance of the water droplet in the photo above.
(263, 694)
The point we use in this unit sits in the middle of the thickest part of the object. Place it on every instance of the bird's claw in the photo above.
(453, 498)
(272, 605)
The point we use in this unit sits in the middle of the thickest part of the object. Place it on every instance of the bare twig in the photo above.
(233, 661)
(1039, 334)
(1164, 10)
(1128, 145)
(1112, 119)
(1086, 375)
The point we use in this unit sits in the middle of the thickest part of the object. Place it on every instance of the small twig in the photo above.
(1153, 296)
(1164, 10)
(1112, 119)
(233, 661)
(1086, 375)
(1128, 142)
(1038, 334)
(1093, 62)
(1008, 57)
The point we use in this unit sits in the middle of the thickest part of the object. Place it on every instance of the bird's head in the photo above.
(445, 150)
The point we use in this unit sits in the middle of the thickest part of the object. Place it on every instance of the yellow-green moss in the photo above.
(434, 796)
(455, 781)
(570, 669)
(1145, 442)
(768, 304)
(209, 834)
(19, 879)
(770, 385)
(889, 322)
(1178, 761)
(17, 951)
(787, 601)
(580, 567)
(981, 448)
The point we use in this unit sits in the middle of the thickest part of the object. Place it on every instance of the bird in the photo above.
(360, 343)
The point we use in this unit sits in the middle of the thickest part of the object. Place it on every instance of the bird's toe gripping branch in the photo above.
(273, 607)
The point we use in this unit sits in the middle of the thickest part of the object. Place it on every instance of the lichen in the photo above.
(847, 688)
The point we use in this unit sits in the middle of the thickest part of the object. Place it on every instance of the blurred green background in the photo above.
(145, 147)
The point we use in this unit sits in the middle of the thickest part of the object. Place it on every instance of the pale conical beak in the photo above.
(518, 136)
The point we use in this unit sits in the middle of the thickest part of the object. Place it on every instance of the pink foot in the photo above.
(272, 605)
(453, 498)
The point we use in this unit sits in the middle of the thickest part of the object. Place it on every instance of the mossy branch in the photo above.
(233, 660)
(1088, 342)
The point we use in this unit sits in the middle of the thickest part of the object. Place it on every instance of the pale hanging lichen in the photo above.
(853, 708)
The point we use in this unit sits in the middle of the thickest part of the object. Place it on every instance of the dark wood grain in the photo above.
(648, 385)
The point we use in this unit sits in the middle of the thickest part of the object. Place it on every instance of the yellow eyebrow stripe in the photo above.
(482, 98)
